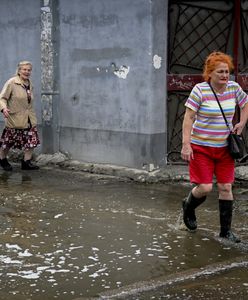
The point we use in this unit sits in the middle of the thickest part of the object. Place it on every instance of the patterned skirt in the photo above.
(19, 138)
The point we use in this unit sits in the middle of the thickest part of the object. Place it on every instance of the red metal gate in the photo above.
(197, 28)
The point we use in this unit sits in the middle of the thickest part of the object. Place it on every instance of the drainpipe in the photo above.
(49, 76)
(237, 6)
(237, 11)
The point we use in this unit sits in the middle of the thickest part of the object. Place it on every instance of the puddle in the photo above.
(66, 235)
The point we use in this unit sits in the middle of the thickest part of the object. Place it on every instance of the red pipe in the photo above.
(237, 23)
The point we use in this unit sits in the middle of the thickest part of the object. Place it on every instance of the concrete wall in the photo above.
(102, 81)
(112, 81)
(20, 40)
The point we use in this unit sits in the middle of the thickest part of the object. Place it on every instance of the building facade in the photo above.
(99, 75)
(111, 76)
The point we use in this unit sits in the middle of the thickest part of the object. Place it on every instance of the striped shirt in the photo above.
(209, 127)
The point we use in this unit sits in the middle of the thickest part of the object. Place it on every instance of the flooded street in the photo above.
(68, 235)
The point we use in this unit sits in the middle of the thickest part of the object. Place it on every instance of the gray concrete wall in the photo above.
(112, 81)
(99, 75)
(20, 40)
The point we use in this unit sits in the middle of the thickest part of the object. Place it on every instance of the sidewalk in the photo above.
(169, 173)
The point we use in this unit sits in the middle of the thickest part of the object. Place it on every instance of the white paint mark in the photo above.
(122, 72)
(46, 2)
(157, 61)
(46, 9)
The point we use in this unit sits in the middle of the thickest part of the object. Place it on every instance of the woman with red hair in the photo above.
(204, 141)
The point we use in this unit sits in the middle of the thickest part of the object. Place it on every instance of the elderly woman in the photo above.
(16, 104)
(205, 139)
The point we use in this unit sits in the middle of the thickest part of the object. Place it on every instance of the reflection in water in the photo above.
(4, 177)
(26, 178)
(7, 178)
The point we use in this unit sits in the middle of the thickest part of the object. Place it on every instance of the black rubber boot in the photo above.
(189, 205)
(226, 208)
(27, 165)
(5, 164)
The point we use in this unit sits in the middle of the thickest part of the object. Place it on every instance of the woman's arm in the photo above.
(189, 118)
(4, 96)
(238, 128)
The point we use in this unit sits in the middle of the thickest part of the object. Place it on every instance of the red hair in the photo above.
(213, 60)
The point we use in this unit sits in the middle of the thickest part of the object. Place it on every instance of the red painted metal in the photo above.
(182, 82)
(237, 11)
(242, 79)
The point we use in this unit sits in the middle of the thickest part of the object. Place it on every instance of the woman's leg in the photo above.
(224, 171)
(201, 170)
(28, 153)
(3, 159)
(202, 190)
(225, 191)
(26, 162)
(195, 198)
(3, 152)
(225, 209)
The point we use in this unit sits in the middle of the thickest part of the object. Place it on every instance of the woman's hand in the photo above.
(189, 118)
(6, 112)
(238, 128)
(187, 152)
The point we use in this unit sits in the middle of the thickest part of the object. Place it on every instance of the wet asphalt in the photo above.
(74, 235)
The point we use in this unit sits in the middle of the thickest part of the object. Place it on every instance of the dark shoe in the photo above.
(230, 236)
(226, 208)
(27, 165)
(189, 205)
(5, 164)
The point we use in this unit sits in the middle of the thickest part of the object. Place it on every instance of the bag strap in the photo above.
(220, 107)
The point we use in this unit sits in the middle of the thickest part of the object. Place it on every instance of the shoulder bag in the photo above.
(235, 142)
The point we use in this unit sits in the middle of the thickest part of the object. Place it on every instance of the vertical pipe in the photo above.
(237, 11)
(49, 75)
